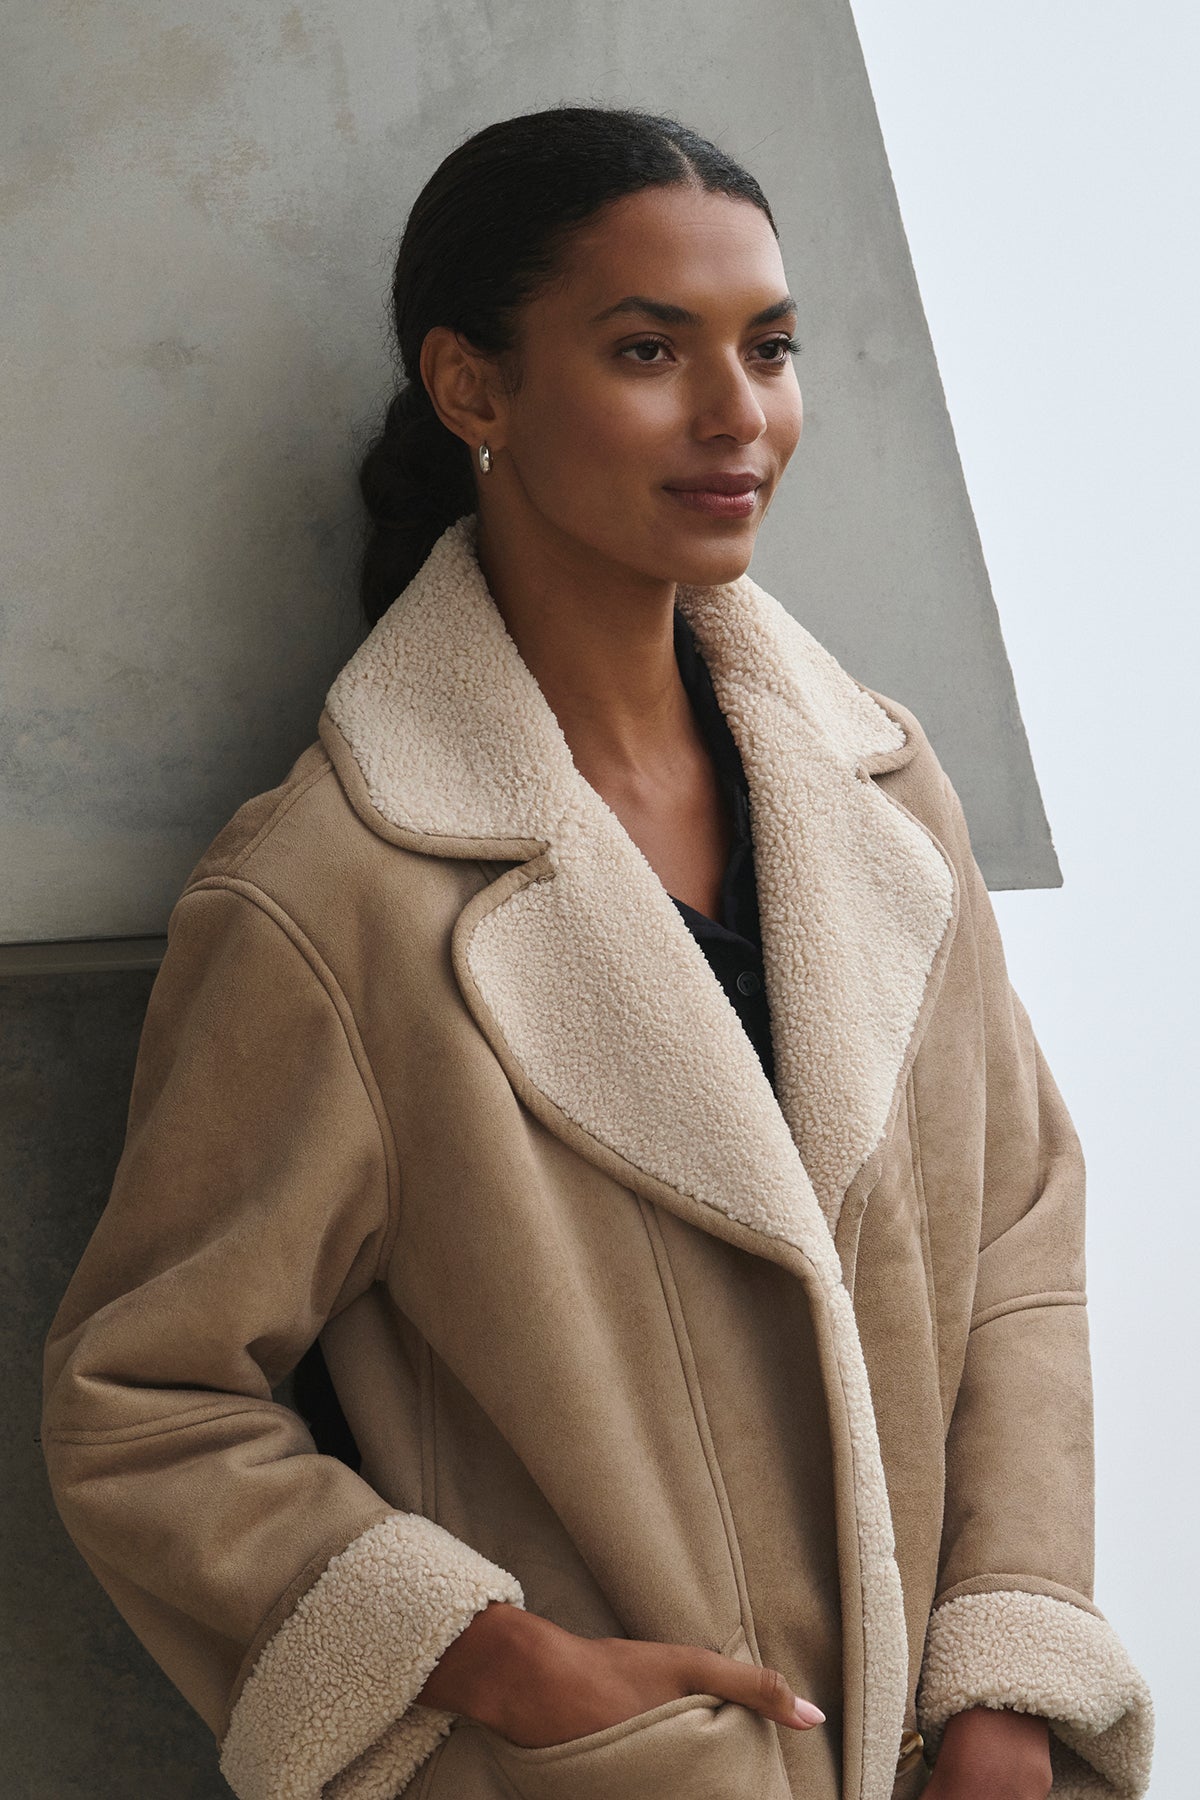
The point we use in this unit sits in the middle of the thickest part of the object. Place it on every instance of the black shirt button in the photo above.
(748, 982)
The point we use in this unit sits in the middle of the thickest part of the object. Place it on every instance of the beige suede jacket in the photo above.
(433, 1068)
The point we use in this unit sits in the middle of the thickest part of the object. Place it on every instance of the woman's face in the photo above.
(658, 403)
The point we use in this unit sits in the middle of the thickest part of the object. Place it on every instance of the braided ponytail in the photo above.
(415, 481)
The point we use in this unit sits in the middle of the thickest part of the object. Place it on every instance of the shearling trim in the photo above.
(855, 895)
(583, 970)
(327, 1712)
(444, 718)
(1044, 1656)
(454, 738)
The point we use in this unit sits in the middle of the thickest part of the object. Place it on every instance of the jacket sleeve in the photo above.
(293, 1607)
(1014, 1624)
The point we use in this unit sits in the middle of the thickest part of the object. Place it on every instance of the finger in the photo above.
(763, 1689)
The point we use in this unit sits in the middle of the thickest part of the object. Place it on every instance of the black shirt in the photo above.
(732, 943)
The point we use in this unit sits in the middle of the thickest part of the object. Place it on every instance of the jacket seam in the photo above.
(430, 1769)
(854, 1461)
(1000, 1584)
(325, 977)
(1029, 1303)
(427, 1406)
(691, 1377)
(914, 1138)
(280, 812)
(176, 1421)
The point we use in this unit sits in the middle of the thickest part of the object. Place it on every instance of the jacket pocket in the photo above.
(697, 1747)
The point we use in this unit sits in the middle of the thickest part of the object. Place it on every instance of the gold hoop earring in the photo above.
(485, 458)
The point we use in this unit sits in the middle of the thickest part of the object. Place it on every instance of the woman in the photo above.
(691, 1224)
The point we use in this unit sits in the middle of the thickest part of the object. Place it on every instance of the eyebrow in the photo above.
(667, 314)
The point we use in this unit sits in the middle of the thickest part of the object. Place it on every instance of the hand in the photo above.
(989, 1754)
(536, 1684)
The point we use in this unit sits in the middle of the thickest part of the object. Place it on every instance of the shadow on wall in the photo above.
(86, 1713)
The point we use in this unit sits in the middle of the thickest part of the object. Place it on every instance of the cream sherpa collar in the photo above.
(456, 750)
(603, 1010)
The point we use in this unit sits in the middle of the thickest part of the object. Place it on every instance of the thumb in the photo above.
(764, 1690)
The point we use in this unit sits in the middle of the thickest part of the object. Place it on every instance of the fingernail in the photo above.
(808, 1714)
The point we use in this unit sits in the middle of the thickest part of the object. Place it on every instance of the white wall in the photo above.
(1046, 161)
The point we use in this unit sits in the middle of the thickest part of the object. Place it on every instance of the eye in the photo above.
(652, 343)
(778, 349)
(783, 347)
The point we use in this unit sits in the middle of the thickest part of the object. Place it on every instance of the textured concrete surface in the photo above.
(85, 1713)
(199, 212)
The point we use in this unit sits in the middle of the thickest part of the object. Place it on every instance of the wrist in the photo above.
(477, 1668)
(998, 1751)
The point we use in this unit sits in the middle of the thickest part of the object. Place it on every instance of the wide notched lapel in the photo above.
(856, 897)
(578, 963)
(601, 1006)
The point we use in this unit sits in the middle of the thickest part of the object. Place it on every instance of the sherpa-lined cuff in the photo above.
(327, 1712)
(1039, 1654)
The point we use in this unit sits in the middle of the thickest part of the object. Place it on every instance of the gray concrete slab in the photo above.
(199, 213)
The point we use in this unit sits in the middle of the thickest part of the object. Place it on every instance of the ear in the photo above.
(463, 386)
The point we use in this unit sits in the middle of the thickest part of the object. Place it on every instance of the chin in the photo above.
(690, 559)
(712, 565)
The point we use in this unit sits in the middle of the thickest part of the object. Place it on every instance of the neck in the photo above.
(598, 638)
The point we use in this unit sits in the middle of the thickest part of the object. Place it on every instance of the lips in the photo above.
(739, 481)
(724, 494)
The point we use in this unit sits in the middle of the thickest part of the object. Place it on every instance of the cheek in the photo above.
(786, 422)
(621, 434)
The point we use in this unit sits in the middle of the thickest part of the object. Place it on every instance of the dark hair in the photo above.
(484, 233)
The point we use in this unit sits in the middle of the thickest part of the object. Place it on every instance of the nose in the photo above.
(727, 404)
